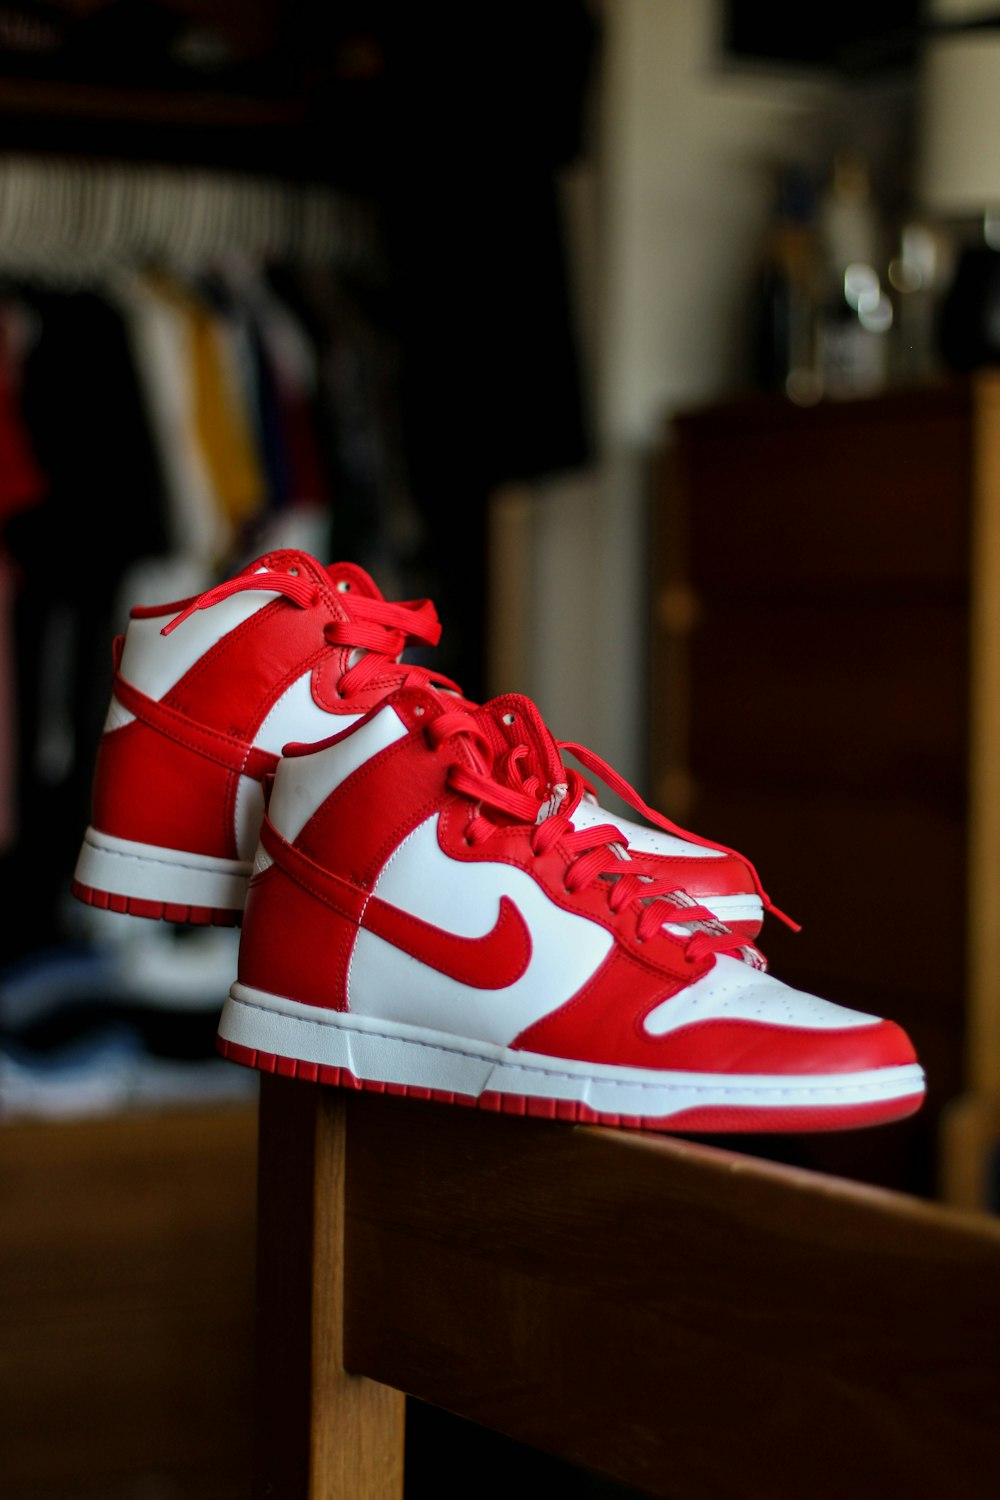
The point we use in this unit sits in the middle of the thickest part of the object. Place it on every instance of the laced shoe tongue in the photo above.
(348, 578)
(343, 577)
(512, 721)
(291, 560)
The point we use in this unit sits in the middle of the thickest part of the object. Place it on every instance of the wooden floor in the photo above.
(127, 1322)
(127, 1304)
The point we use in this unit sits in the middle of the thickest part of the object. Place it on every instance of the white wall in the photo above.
(675, 200)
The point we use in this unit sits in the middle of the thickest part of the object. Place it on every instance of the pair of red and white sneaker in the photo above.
(431, 901)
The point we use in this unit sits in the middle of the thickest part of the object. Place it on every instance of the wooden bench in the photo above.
(688, 1321)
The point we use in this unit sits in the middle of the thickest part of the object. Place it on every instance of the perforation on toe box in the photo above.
(732, 991)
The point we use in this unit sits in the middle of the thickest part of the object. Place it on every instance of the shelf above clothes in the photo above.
(218, 85)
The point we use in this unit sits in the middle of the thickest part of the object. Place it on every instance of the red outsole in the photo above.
(163, 911)
(717, 1119)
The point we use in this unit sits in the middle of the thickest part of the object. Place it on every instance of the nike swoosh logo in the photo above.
(493, 961)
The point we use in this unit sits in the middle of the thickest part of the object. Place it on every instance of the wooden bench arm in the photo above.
(683, 1319)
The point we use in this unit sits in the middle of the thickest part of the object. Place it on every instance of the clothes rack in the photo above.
(61, 213)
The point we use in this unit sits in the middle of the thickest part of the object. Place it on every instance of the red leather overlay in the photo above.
(292, 944)
(155, 791)
(364, 819)
(225, 749)
(603, 1023)
(494, 960)
(235, 684)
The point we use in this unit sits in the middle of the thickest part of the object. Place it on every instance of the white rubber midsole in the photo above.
(389, 1052)
(123, 867)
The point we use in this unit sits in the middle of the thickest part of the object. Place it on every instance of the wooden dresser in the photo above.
(825, 697)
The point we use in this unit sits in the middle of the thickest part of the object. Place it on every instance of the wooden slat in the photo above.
(983, 1035)
(509, 605)
(683, 1319)
(320, 1434)
(970, 1153)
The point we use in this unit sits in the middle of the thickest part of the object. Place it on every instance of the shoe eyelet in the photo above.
(510, 718)
(294, 572)
(343, 586)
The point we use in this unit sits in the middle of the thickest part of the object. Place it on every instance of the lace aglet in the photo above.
(178, 619)
(782, 916)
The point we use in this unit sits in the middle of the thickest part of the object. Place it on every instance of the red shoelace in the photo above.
(656, 901)
(377, 629)
(617, 783)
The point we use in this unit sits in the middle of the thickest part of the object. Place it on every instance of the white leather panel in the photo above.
(154, 662)
(297, 716)
(733, 991)
(303, 782)
(465, 898)
(641, 837)
(117, 717)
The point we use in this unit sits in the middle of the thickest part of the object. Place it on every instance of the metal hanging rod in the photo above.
(80, 214)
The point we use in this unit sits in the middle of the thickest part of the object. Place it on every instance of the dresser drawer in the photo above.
(805, 698)
(878, 886)
(872, 494)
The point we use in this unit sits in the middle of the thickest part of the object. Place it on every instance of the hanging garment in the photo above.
(224, 394)
(160, 337)
(103, 506)
(287, 378)
(22, 480)
(22, 484)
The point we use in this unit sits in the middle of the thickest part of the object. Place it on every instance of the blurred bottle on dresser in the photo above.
(856, 310)
(788, 287)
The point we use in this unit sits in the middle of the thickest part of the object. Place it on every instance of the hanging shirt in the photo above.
(224, 416)
(161, 336)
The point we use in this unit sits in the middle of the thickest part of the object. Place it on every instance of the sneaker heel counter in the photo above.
(292, 944)
(153, 790)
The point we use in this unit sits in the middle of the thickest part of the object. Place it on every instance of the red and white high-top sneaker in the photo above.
(418, 924)
(207, 692)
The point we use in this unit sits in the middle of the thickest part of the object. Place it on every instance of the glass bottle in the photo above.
(857, 313)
